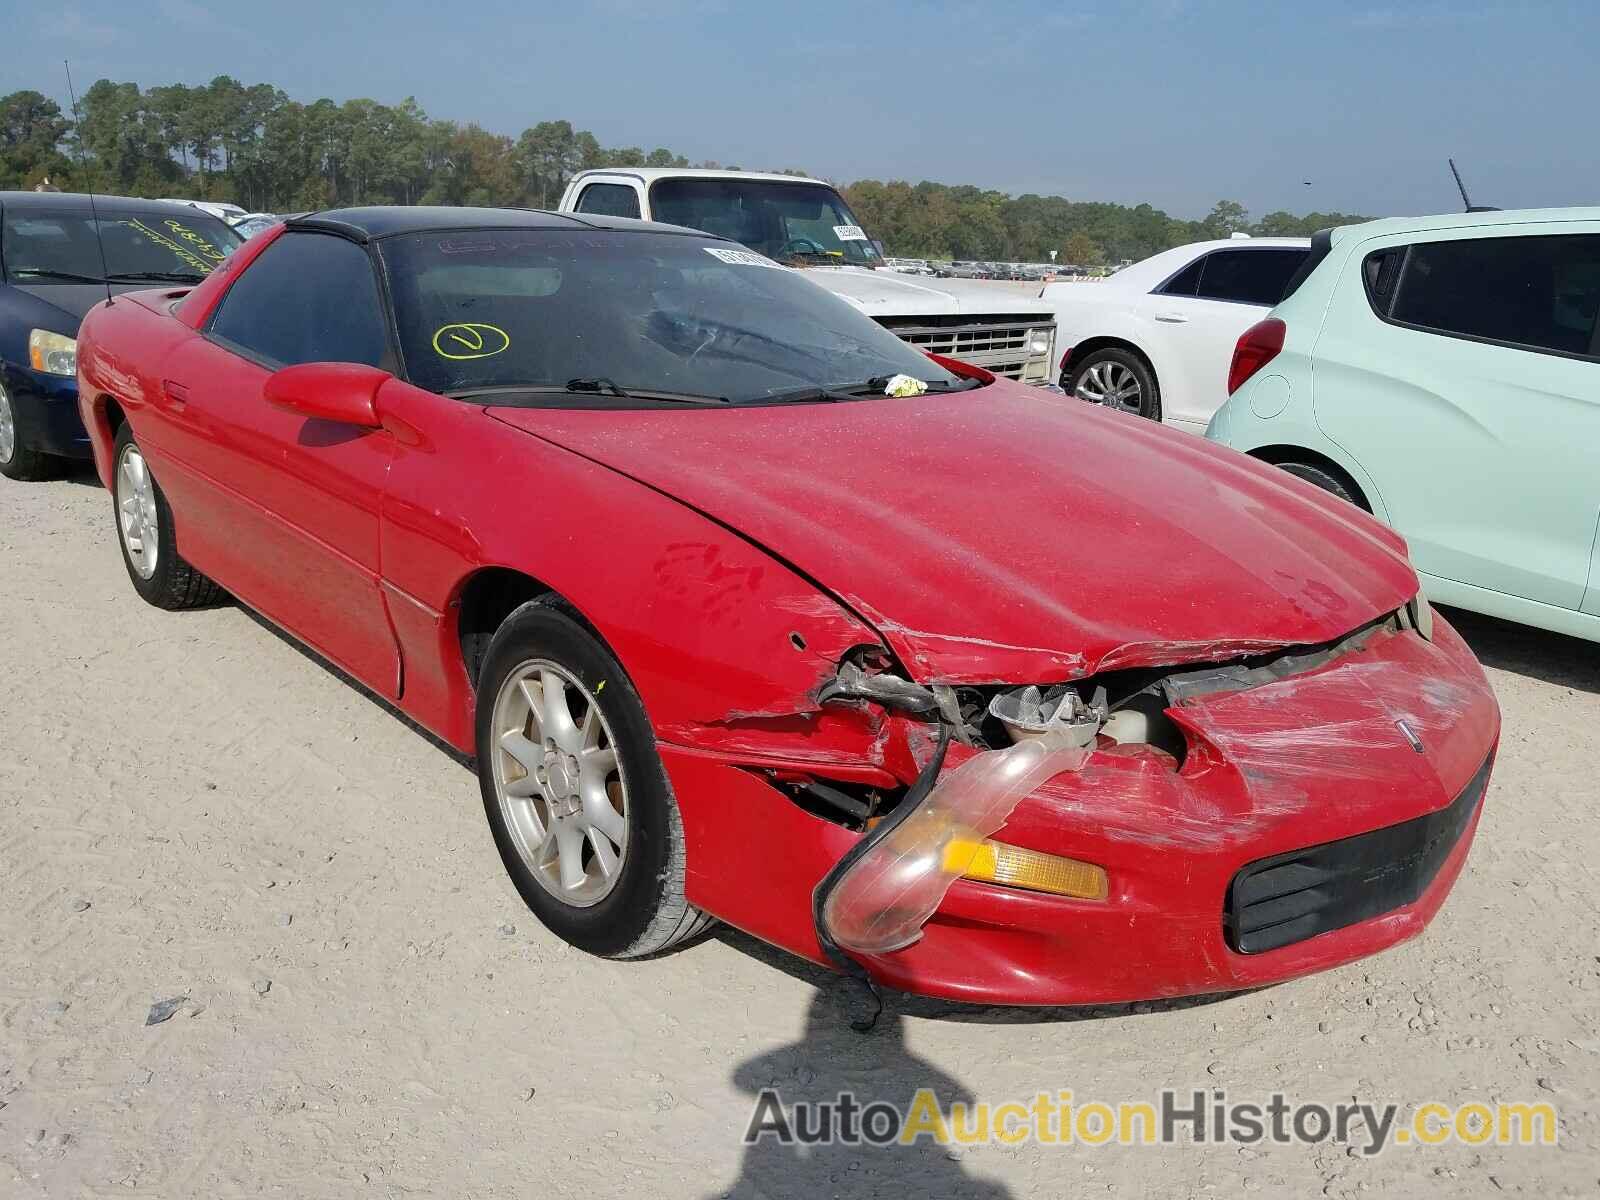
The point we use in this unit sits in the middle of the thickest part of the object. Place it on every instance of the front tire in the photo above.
(158, 572)
(19, 460)
(574, 790)
(1117, 379)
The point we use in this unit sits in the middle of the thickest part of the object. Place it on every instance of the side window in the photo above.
(309, 297)
(609, 200)
(1187, 281)
(1539, 292)
(1249, 276)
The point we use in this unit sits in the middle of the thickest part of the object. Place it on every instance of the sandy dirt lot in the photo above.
(191, 807)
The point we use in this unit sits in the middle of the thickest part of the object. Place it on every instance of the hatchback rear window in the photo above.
(1540, 293)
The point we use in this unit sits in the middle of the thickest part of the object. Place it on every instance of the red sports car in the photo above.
(749, 610)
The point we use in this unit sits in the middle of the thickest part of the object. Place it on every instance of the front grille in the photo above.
(997, 343)
(1290, 897)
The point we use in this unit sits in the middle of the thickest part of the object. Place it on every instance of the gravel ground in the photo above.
(192, 809)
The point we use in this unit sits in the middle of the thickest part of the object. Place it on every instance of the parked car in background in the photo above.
(219, 209)
(1154, 339)
(251, 224)
(1444, 374)
(51, 273)
(806, 224)
(584, 497)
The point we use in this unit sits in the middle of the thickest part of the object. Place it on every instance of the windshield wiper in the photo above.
(44, 273)
(805, 395)
(599, 387)
(597, 384)
(154, 277)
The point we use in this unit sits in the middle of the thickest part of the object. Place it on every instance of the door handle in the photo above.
(1171, 318)
(175, 393)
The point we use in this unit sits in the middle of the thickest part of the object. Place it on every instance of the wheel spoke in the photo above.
(600, 761)
(601, 814)
(556, 719)
(569, 855)
(528, 754)
(605, 856)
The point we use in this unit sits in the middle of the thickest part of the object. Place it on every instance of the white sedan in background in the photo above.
(1156, 338)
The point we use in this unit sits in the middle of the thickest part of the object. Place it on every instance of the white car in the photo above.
(806, 223)
(219, 209)
(1156, 338)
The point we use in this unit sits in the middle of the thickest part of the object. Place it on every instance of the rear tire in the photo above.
(19, 459)
(1117, 379)
(144, 532)
(1327, 481)
(575, 793)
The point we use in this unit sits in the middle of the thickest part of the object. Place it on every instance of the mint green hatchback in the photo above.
(1444, 374)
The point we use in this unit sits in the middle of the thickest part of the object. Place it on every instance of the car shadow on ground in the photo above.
(830, 1059)
(903, 1004)
(1554, 658)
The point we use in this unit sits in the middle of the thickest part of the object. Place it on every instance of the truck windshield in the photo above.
(622, 312)
(44, 246)
(804, 223)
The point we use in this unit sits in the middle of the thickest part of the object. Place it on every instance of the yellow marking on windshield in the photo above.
(470, 339)
(182, 253)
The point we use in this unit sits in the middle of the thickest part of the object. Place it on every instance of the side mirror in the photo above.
(329, 391)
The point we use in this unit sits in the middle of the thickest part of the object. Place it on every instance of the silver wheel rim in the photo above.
(1111, 384)
(558, 783)
(8, 428)
(136, 512)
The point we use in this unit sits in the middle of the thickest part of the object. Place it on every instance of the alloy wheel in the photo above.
(559, 784)
(8, 428)
(1111, 384)
(136, 512)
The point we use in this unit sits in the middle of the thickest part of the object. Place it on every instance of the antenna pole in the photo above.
(1460, 187)
(94, 212)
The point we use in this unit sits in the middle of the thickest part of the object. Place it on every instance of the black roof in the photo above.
(79, 202)
(380, 221)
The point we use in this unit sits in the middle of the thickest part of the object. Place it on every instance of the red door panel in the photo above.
(279, 509)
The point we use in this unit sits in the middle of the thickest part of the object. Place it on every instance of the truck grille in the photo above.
(1290, 897)
(996, 343)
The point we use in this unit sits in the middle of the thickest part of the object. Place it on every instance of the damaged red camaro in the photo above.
(748, 610)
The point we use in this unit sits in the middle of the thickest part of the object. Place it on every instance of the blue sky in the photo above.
(1178, 102)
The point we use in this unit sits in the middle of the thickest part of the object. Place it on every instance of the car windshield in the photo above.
(807, 223)
(624, 312)
(59, 246)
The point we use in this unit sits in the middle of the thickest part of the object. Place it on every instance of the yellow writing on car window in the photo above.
(183, 253)
(470, 339)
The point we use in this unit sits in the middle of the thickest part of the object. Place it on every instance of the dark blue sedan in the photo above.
(55, 264)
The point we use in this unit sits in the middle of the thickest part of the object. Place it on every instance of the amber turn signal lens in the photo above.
(1012, 866)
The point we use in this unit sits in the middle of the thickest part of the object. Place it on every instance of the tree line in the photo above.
(254, 146)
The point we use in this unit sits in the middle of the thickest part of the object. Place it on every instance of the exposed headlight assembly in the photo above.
(52, 353)
(1039, 341)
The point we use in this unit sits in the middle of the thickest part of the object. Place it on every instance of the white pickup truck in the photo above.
(805, 223)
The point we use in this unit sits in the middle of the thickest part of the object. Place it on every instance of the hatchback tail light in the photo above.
(1257, 346)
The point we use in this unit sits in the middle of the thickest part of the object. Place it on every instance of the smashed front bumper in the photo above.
(1391, 731)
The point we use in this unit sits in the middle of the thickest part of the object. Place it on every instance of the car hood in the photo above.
(886, 294)
(62, 306)
(1000, 536)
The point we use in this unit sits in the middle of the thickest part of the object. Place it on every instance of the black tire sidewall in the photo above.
(1149, 390)
(158, 587)
(616, 924)
(1323, 479)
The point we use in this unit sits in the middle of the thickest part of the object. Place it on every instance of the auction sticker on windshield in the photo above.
(850, 233)
(743, 258)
